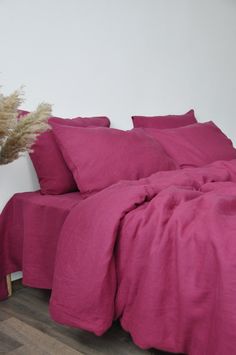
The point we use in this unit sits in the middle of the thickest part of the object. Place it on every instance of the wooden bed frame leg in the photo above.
(9, 285)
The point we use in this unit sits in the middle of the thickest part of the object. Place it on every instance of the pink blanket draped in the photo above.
(160, 255)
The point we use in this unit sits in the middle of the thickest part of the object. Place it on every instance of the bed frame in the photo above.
(9, 285)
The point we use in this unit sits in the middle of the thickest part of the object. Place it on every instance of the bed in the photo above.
(149, 240)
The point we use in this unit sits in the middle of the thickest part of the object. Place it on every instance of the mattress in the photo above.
(30, 227)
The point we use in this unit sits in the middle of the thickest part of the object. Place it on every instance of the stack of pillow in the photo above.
(188, 142)
(85, 154)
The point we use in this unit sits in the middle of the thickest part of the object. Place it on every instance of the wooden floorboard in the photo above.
(7, 343)
(32, 338)
(26, 328)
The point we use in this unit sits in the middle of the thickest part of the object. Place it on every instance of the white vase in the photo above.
(17, 176)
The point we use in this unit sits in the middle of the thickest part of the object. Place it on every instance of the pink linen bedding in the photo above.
(99, 157)
(194, 145)
(30, 226)
(53, 174)
(158, 253)
(164, 122)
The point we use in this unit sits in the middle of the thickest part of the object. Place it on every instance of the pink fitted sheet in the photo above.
(30, 226)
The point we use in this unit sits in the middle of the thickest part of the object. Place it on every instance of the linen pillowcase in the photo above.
(53, 174)
(99, 157)
(164, 122)
(194, 145)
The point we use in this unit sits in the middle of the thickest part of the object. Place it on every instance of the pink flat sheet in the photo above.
(30, 226)
(160, 255)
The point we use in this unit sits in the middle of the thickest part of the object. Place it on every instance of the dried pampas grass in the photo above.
(8, 112)
(18, 135)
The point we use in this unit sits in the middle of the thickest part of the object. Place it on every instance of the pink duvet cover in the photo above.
(158, 253)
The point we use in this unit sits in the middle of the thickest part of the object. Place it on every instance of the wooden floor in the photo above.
(26, 329)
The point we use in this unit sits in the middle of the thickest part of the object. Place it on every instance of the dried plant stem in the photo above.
(8, 112)
(17, 136)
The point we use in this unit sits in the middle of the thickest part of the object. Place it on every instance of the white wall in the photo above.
(118, 57)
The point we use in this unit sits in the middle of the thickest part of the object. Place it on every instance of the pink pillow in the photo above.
(54, 176)
(99, 157)
(194, 145)
(164, 122)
